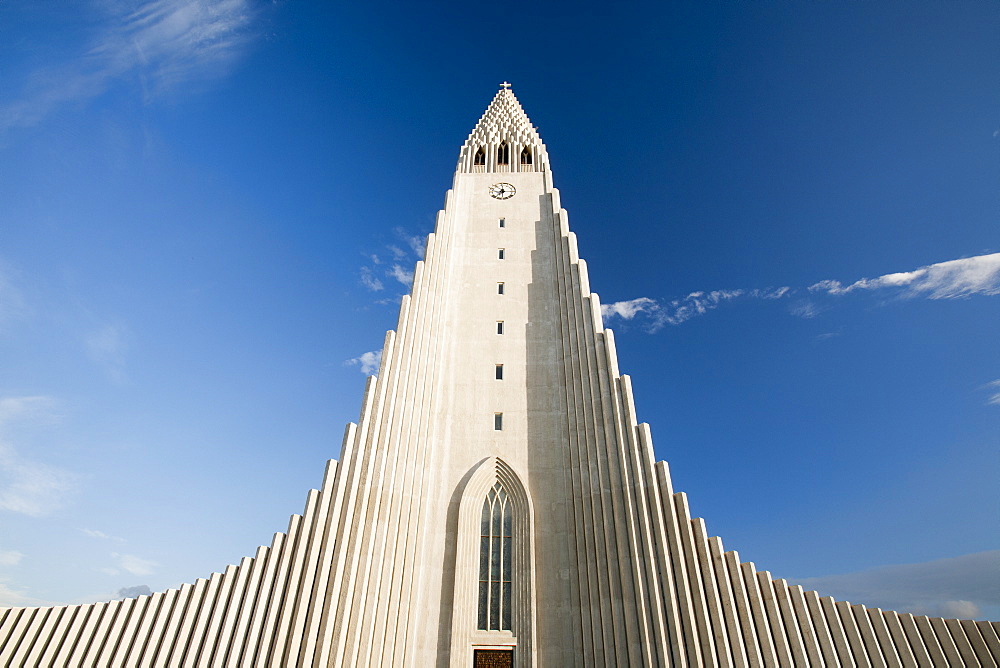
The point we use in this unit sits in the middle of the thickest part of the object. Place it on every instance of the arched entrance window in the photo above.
(493, 599)
(495, 567)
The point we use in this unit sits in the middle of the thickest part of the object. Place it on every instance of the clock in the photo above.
(502, 190)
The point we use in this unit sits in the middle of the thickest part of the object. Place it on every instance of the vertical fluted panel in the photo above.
(737, 646)
(129, 633)
(65, 633)
(15, 636)
(594, 600)
(790, 623)
(809, 631)
(266, 648)
(239, 638)
(158, 626)
(682, 582)
(713, 601)
(36, 637)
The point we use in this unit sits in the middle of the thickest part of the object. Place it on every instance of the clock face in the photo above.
(502, 190)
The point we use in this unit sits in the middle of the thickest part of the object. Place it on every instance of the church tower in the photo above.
(497, 503)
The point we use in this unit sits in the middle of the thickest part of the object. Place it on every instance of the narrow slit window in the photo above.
(503, 222)
(499, 288)
(500, 253)
(499, 371)
(498, 421)
(499, 326)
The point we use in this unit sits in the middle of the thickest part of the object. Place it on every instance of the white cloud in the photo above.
(629, 309)
(10, 557)
(133, 592)
(12, 305)
(955, 587)
(805, 308)
(417, 244)
(17, 598)
(944, 280)
(160, 43)
(369, 361)
(133, 564)
(994, 390)
(106, 347)
(402, 275)
(94, 533)
(656, 315)
(28, 486)
(369, 281)
(397, 252)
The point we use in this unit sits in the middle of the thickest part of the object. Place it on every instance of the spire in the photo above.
(504, 140)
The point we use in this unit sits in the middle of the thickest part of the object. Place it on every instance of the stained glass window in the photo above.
(495, 560)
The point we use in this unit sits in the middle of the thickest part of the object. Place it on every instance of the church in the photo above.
(497, 503)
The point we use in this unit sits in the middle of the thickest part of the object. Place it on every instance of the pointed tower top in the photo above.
(504, 140)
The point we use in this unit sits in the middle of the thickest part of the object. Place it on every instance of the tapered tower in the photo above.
(497, 503)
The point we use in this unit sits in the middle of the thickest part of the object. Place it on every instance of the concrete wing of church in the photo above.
(497, 503)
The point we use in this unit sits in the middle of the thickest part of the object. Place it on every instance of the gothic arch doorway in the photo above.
(494, 565)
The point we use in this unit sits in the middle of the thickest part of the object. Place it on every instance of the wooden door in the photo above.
(493, 658)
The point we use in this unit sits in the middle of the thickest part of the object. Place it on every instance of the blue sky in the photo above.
(211, 208)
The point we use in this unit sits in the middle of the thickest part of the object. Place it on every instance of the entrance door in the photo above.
(493, 658)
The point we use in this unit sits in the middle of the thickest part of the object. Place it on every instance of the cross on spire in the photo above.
(505, 85)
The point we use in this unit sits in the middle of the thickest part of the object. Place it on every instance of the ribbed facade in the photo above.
(386, 565)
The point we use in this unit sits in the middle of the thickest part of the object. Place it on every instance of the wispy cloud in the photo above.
(12, 305)
(16, 597)
(956, 587)
(656, 314)
(402, 275)
(408, 249)
(417, 244)
(106, 347)
(28, 486)
(132, 564)
(369, 362)
(10, 557)
(944, 280)
(159, 43)
(369, 280)
(94, 533)
(994, 393)
(954, 279)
